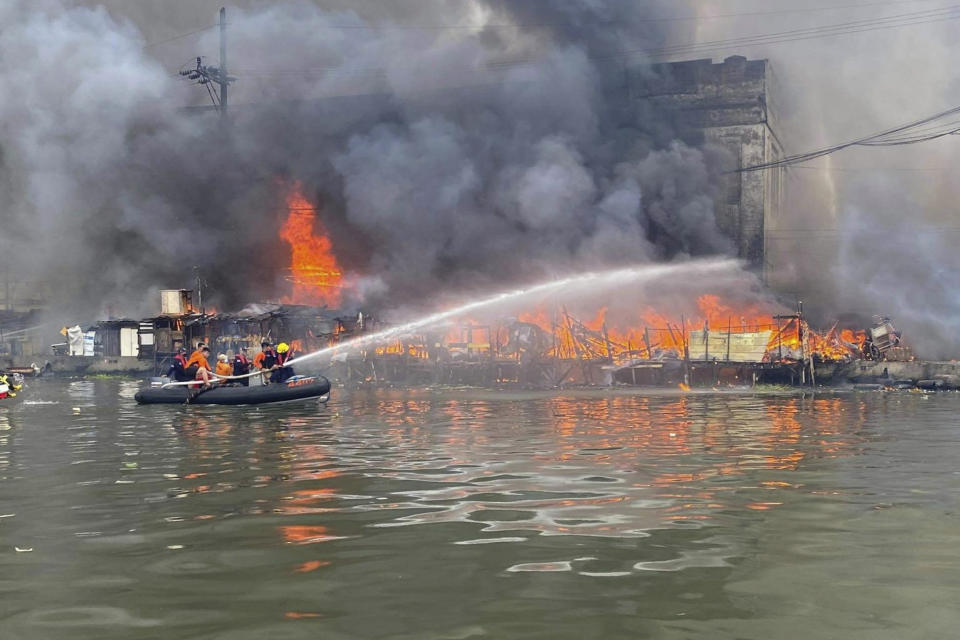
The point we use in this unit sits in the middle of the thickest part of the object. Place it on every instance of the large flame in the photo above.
(647, 333)
(314, 271)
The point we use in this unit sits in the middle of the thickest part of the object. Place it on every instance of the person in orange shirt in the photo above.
(265, 360)
(224, 369)
(199, 365)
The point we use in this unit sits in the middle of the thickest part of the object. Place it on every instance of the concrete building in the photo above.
(22, 303)
(728, 104)
(19, 294)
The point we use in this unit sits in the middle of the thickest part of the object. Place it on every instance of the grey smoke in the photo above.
(441, 158)
(865, 231)
(447, 160)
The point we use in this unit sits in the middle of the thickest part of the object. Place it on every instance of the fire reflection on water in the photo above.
(616, 466)
(621, 466)
(699, 509)
(5, 434)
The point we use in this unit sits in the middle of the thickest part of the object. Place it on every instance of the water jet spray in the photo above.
(599, 279)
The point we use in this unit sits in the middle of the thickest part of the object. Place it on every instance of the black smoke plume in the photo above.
(448, 146)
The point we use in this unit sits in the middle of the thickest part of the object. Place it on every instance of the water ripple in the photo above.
(462, 505)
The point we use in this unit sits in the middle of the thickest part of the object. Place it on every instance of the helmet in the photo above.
(283, 347)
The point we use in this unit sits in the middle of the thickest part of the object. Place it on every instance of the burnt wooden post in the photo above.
(779, 341)
(686, 351)
(729, 333)
(606, 340)
(706, 340)
(674, 338)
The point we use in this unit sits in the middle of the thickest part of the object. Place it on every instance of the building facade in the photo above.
(726, 104)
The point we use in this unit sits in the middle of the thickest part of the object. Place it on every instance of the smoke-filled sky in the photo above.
(453, 145)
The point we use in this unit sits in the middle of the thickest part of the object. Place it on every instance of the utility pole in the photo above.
(196, 270)
(206, 75)
(223, 63)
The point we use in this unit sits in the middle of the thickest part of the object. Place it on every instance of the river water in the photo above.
(454, 513)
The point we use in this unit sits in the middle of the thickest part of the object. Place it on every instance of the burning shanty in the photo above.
(545, 347)
(716, 341)
(555, 348)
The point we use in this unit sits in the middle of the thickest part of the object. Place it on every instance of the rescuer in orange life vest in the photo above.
(198, 365)
(224, 369)
(178, 368)
(267, 357)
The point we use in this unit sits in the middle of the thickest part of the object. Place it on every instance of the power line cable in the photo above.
(891, 22)
(903, 19)
(723, 46)
(884, 138)
(951, 12)
(914, 15)
(179, 37)
(875, 169)
(689, 18)
(946, 130)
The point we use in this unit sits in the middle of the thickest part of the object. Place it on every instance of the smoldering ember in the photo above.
(478, 318)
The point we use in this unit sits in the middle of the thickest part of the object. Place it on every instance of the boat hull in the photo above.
(297, 389)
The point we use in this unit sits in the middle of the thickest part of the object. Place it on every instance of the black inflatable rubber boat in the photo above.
(293, 389)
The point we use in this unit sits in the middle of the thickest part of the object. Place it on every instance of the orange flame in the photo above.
(314, 271)
(648, 334)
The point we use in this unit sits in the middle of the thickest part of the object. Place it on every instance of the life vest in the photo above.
(269, 359)
(241, 365)
(8, 387)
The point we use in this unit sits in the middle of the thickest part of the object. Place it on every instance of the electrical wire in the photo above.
(913, 139)
(179, 37)
(879, 169)
(689, 18)
(884, 138)
(895, 21)
(213, 95)
(939, 14)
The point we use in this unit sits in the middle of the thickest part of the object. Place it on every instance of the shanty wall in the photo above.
(734, 347)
